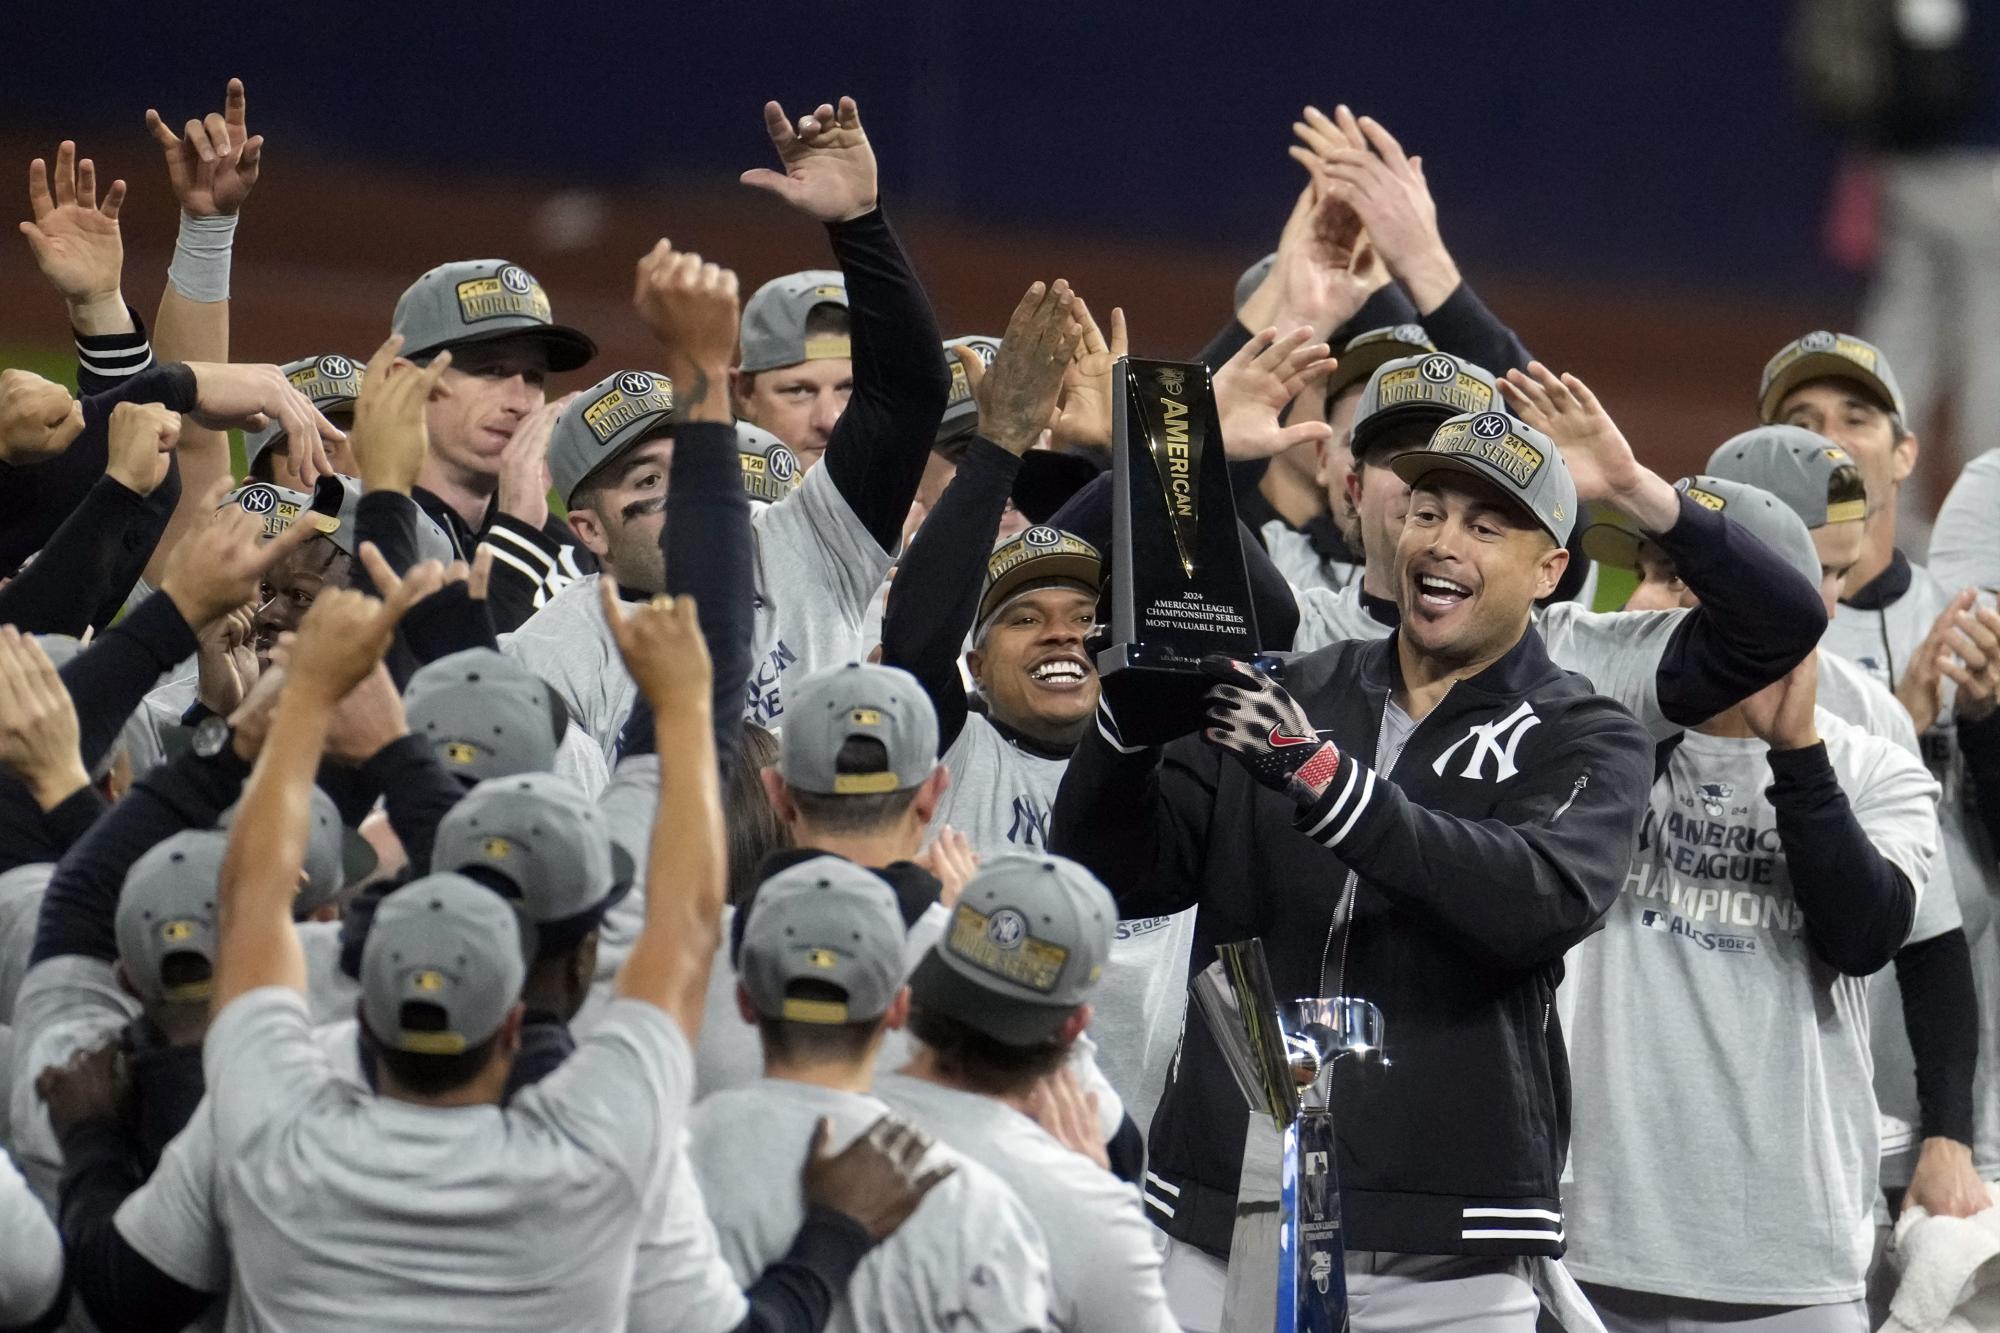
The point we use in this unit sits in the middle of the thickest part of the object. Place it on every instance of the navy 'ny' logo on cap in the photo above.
(1489, 426)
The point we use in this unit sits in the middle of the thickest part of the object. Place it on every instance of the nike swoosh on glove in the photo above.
(1251, 716)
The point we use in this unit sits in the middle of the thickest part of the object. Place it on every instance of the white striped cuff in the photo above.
(1512, 1224)
(1330, 826)
(115, 363)
(1107, 727)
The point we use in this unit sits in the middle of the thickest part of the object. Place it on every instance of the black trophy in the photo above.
(1179, 590)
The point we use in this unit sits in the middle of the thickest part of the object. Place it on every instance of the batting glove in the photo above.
(1251, 716)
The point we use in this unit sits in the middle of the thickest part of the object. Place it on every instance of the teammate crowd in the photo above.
(658, 858)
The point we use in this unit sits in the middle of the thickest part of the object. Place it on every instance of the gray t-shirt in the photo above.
(816, 569)
(346, 1209)
(31, 1253)
(1292, 552)
(1724, 1145)
(1105, 1271)
(969, 1260)
(1881, 642)
(999, 798)
(66, 1004)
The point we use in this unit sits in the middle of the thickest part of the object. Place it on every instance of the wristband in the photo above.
(200, 268)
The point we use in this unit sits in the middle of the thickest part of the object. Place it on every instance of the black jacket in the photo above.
(1474, 869)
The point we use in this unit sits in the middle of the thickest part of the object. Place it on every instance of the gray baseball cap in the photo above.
(826, 920)
(1822, 355)
(1252, 278)
(770, 469)
(859, 701)
(548, 842)
(167, 909)
(1422, 390)
(961, 413)
(1524, 463)
(443, 965)
(337, 857)
(1024, 947)
(1760, 513)
(1809, 472)
(624, 409)
(483, 300)
(485, 715)
(1366, 352)
(335, 507)
(774, 321)
(1036, 556)
(332, 381)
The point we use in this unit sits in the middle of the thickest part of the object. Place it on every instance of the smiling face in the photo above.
(798, 404)
(1847, 414)
(1469, 567)
(618, 515)
(478, 404)
(38, 418)
(1031, 666)
(291, 588)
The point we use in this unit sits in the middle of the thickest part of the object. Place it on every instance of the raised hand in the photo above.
(38, 728)
(876, 1179)
(1083, 413)
(951, 859)
(524, 464)
(1601, 461)
(221, 564)
(369, 719)
(252, 397)
(140, 445)
(662, 646)
(1253, 388)
(75, 239)
(1018, 393)
(390, 439)
(226, 661)
(347, 633)
(1367, 169)
(1781, 714)
(829, 169)
(213, 163)
(693, 308)
(38, 418)
(1324, 268)
(1971, 659)
(1256, 719)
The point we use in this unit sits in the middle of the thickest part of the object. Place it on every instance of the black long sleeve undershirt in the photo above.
(709, 553)
(935, 595)
(111, 677)
(1757, 620)
(1941, 1016)
(61, 589)
(797, 1293)
(877, 453)
(1857, 903)
(121, 1289)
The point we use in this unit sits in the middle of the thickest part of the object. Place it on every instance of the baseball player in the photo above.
(1937, 649)
(821, 552)
(482, 479)
(1779, 865)
(994, 1007)
(820, 972)
(1923, 1016)
(797, 371)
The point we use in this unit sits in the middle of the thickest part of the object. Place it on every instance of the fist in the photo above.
(38, 418)
(141, 444)
(690, 306)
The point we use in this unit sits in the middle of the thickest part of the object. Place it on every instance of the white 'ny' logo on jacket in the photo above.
(1499, 738)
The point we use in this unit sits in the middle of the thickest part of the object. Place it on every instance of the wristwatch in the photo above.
(211, 736)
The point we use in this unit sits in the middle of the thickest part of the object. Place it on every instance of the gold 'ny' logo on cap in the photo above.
(459, 752)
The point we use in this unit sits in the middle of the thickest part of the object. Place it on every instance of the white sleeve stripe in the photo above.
(1480, 1233)
(115, 365)
(522, 544)
(1542, 1213)
(1334, 810)
(1112, 740)
(532, 574)
(1157, 1183)
(1154, 1203)
(1360, 804)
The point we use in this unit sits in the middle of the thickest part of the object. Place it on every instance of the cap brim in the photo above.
(943, 989)
(1356, 366)
(1609, 544)
(1369, 433)
(1416, 464)
(1822, 366)
(568, 349)
(1049, 480)
(1056, 567)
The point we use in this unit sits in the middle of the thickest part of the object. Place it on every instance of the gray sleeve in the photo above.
(31, 1256)
(812, 542)
(1965, 542)
(1620, 652)
(680, 1283)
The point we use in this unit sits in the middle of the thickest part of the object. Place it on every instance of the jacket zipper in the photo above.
(1343, 910)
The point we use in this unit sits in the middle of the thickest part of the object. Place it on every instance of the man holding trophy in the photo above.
(1427, 821)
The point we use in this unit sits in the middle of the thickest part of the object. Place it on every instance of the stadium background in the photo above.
(1635, 190)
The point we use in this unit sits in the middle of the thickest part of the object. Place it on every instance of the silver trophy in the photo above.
(1282, 1056)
